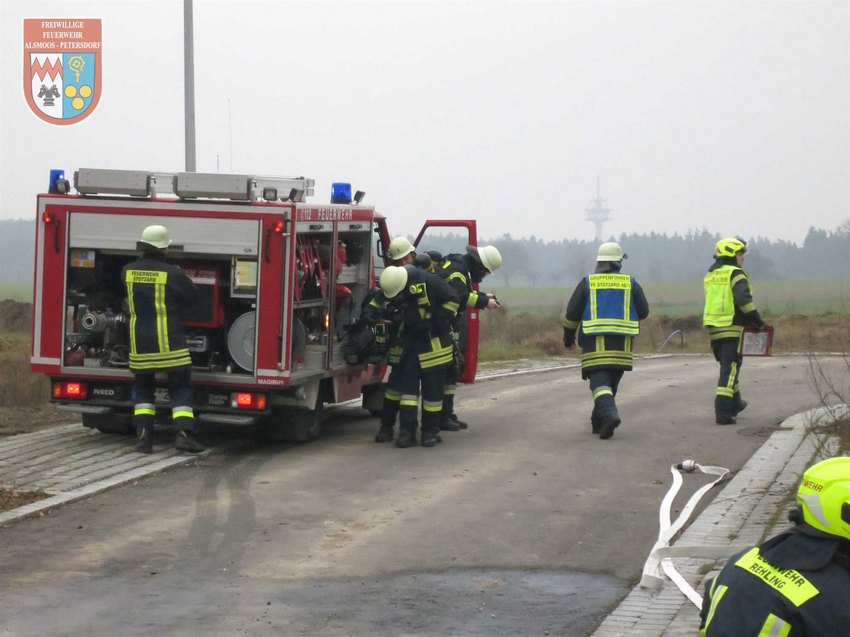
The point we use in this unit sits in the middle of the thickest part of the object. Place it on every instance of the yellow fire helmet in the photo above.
(729, 247)
(392, 281)
(157, 236)
(399, 248)
(824, 496)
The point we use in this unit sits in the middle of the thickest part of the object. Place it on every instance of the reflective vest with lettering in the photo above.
(610, 308)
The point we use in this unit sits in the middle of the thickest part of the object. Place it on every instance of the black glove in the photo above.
(569, 337)
(756, 320)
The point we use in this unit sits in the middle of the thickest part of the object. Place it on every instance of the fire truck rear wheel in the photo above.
(109, 423)
(292, 424)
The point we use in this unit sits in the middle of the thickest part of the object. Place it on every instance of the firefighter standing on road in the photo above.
(728, 308)
(462, 271)
(797, 584)
(157, 293)
(400, 252)
(428, 307)
(605, 310)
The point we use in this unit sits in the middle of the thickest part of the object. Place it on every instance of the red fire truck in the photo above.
(280, 281)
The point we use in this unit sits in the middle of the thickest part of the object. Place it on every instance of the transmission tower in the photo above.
(597, 214)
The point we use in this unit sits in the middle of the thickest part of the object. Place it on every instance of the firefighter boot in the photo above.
(460, 423)
(186, 441)
(144, 433)
(610, 416)
(406, 438)
(595, 420)
(430, 428)
(609, 423)
(143, 420)
(449, 420)
(385, 433)
(724, 410)
(740, 403)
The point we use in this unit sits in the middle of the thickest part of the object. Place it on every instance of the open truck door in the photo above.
(451, 236)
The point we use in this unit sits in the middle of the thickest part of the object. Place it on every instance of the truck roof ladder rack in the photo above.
(135, 183)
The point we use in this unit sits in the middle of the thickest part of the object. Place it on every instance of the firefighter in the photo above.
(797, 583)
(428, 305)
(603, 315)
(728, 308)
(384, 316)
(401, 251)
(157, 294)
(462, 271)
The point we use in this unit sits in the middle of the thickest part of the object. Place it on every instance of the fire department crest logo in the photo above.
(63, 60)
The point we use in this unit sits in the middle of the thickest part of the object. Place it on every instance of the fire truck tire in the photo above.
(373, 399)
(292, 424)
(109, 423)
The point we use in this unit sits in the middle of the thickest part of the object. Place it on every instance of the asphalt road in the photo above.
(525, 524)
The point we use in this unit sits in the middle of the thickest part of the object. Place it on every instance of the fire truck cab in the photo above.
(280, 280)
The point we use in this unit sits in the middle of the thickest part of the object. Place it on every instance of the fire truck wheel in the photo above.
(292, 424)
(109, 423)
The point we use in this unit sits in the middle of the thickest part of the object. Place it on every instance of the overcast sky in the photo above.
(730, 116)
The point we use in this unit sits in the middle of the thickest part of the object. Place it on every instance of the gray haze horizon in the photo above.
(733, 116)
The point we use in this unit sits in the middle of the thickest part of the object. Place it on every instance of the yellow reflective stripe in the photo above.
(452, 306)
(132, 318)
(154, 277)
(570, 324)
(602, 391)
(737, 279)
(774, 627)
(460, 276)
(183, 414)
(472, 299)
(392, 395)
(624, 327)
(410, 402)
(787, 582)
(161, 317)
(716, 596)
(600, 343)
(746, 308)
(432, 405)
(593, 308)
(730, 331)
(144, 411)
(449, 390)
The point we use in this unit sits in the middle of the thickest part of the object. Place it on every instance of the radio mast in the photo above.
(597, 214)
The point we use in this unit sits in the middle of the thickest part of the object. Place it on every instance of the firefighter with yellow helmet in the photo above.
(797, 584)
(729, 307)
(603, 316)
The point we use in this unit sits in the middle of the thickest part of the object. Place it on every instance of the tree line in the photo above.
(659, 258)
(654, 257)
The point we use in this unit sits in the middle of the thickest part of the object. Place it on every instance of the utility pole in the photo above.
(597, 214)
(189, 84)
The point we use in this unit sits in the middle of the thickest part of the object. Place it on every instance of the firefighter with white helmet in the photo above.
(428, 306)
(401, 251)
(798, 582)
(729, 307)
(462, 271)
(157, 294)
(603, 316)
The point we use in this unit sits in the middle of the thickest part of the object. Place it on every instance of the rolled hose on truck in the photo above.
(659, 562)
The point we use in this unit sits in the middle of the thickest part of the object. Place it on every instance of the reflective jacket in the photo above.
(157, 294)
(429, 306)
(610, 306)
(455, 269)
(728, 301)
(793, 585)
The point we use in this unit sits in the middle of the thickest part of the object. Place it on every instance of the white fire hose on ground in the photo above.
(659, 559)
